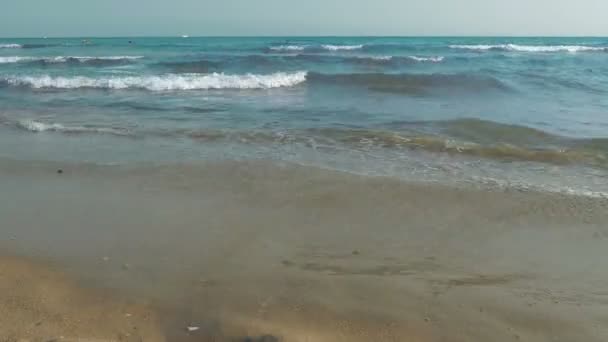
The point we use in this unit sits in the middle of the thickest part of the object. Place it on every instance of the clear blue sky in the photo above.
(22, 18)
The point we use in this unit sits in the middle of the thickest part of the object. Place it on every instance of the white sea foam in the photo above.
(64, 59)
(88, 58)
(532, 48)
(14, 59)
(434, 59)
(380, 58)
(10, 46)
(37, 127)
(288, 48)
(324, 47)
(476, 47)
(164, 83)
(341, 47)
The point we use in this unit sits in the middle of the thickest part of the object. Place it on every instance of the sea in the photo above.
(510, 113)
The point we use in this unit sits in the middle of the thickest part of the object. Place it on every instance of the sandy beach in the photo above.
(39, 303)
(264, 251)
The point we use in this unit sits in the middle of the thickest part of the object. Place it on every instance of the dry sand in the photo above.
(38, 303)
(266, 252)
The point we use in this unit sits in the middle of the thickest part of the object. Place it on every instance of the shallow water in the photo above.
(526, 111)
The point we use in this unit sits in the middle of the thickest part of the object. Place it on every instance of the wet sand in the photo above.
(263, 251)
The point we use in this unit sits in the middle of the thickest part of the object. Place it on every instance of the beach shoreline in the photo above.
(292, 253)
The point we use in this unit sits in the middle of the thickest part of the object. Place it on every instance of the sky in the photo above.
(64, 18)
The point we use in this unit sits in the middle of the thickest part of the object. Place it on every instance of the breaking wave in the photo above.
(287, 48)
(434, 59)
(323, 47)
(398, 59)
(161, 83)
(466, 137)
(10, 46)
(70, 59)
(341, 47)
(14, 59)
(532, 48)
(38, 126)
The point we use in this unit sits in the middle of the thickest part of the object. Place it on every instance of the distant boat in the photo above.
(185, 36)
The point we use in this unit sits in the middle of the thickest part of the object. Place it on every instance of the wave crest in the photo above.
(323, 47)
(10, 46)
(433, 59)
(68, 59)
(531, 48)
(38, 127)
(14, 59)
(396, 59)
(288, 48)
(163, 83)
(515, 143)
(341, 47)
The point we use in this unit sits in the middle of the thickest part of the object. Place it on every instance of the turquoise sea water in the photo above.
(524, 112)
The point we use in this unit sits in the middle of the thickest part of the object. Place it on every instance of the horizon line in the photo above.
(305, 36)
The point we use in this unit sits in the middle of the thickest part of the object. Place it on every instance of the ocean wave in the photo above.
(162, 83)
(547, 80)
(341, 47)
(532, 48)
(377, 58)
(393, 59)
(255, 62)
(514, 143)
(37, 46)
(88, 58)
(587, 151)
(38, 126)
(68, 59)
(288, 48)
(488, 132)
(10, 46)
(411, 83)
(323, 47)
(151, 107)
(433, 59)
(15, 59)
